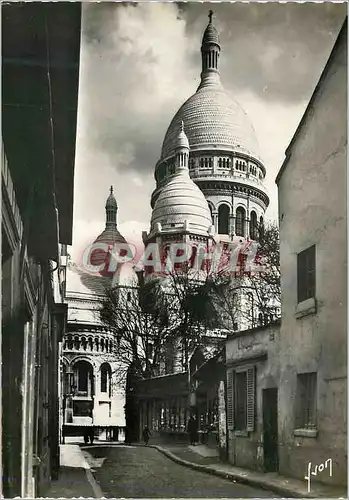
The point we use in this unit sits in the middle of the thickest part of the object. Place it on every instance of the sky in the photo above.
(140, 62)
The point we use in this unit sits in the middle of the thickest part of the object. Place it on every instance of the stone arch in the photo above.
(90, 343)
(253, 225)
(223, 218)
(240, 221)
(76, 342)
(83, 342)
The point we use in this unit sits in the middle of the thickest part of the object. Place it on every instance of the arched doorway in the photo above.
(223, 219)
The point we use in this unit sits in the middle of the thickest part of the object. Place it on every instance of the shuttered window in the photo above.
(240, 408)
(250, 398)
(306, 274)
(230, 399)
(241, 399)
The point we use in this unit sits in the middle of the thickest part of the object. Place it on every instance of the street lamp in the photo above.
(68, 393)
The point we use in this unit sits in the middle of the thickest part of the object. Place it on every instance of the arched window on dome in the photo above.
(211, 162)
(223, 219)
(261, 227)
(240, 221)
(201, 163)
(220, 163)
(106, 379)
(253, 226)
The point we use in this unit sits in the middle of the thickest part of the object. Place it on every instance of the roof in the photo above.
(212, 119)
(241, 333)
(181, 201)
(341, 37)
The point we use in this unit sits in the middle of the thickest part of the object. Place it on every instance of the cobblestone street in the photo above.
(141, 472)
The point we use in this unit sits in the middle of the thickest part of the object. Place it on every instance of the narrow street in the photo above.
(139, 472)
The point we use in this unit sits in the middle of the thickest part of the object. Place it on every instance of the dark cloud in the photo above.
(141, 62)
(275, 50)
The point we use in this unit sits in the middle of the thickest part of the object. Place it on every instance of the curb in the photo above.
(231, 476)
(284, 491)
(94, 485)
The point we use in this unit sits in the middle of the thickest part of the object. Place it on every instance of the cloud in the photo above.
(140, 62)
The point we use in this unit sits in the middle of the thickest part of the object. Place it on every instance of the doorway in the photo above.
(270, 430)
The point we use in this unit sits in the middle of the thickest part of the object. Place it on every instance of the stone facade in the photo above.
(256, 351)
(93, 397)
(313, 343)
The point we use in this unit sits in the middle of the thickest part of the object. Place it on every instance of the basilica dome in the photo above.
(212, 119)
(181, 201)
(109, 237)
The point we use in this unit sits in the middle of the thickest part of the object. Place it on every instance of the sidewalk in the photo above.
(204, 459)
(75, 477)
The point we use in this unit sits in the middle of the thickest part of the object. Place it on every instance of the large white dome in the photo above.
(180, 202)
(212, 119)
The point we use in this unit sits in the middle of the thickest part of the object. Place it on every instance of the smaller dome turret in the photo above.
(111, 201)
(181, 203)
(211, 33)
(182, 139)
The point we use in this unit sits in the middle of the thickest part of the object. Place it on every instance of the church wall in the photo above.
(108, 408)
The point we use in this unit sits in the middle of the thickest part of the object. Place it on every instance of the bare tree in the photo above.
(139, 320)
(259, 285)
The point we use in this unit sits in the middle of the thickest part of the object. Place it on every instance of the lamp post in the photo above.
(67, 402)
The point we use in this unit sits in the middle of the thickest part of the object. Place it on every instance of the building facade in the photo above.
(313, 350)
(92, 399)
(252, 381)
(37, 186)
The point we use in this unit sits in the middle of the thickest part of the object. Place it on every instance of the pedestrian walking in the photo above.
(192, 430)
(146, 434)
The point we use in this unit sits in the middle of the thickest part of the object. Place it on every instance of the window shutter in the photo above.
(250, 398)
(301, 276)
(311, 272)
(230, 400)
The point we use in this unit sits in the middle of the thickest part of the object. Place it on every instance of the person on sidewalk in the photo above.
(146, 434)
(192, 430)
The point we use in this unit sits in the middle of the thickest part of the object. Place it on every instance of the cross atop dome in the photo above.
(111, 189)
(210, 15)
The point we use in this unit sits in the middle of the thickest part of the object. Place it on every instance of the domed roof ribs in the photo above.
(111, 208)
(210, 51)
